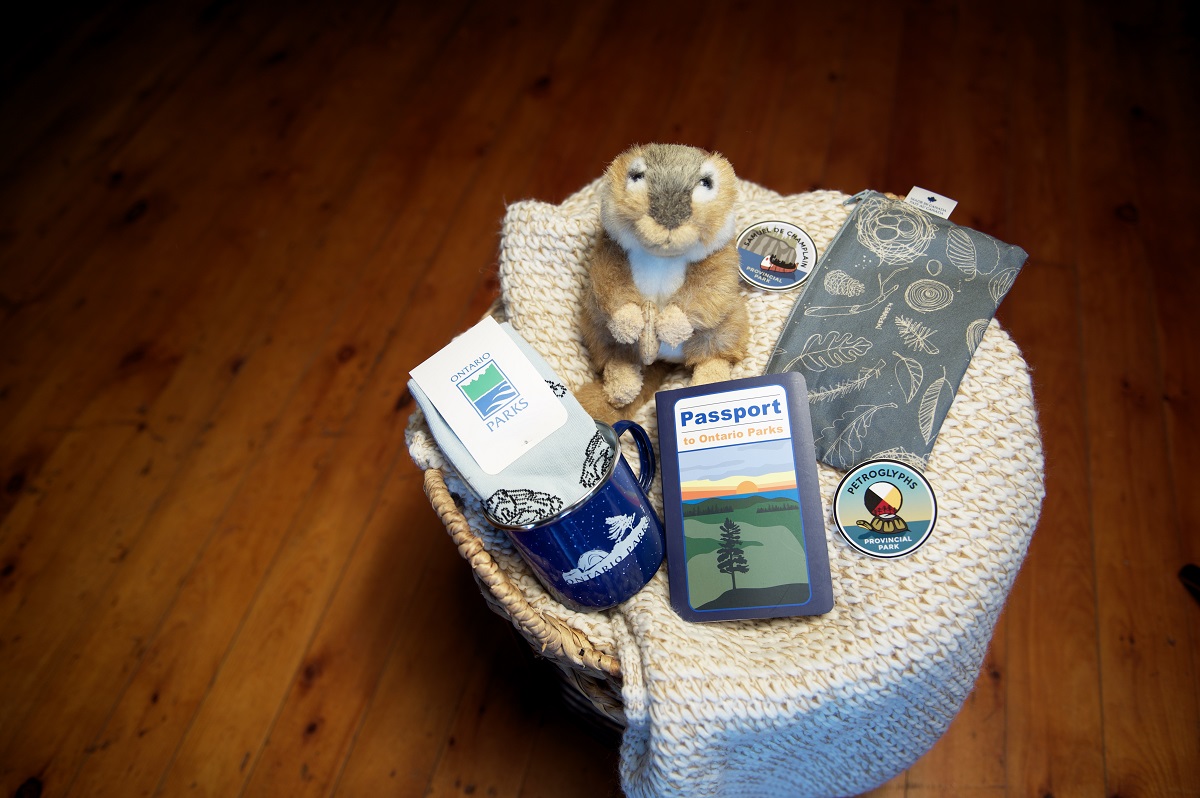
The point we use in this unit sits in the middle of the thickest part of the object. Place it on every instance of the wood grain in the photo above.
(227, 231)
(1148, 678)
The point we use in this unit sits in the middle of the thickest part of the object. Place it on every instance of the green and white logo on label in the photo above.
(885, 508)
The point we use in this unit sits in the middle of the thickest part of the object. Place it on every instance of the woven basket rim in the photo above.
(550, 636)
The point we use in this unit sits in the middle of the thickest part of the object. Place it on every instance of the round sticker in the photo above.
(885, 508)
(776, 256)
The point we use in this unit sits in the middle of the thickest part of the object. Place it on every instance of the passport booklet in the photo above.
(744, 525)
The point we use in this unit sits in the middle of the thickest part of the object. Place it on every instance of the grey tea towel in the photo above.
(886, 327)
(551, 476)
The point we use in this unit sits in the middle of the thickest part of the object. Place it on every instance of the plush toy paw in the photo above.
(673, 327)
(627, 324)
(714, 370)
(622, 382)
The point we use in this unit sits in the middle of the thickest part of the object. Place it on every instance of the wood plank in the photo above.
(868, 83)
(87, 64)
(697, 109)
(339, 248)
(1148, 682)
(581, 147)
(74, 563)
(80, 111)
(954, 792)
(1053, 660)
(206, 517)
(949, 120)
(317, 722)
(253, 679)
(276, 769)
(1164, 120)
(36, 34)
(922, 144)
(46, 548)
(215, 464)
(73, 181)
(479, 756)
(406, 725)
(894, 788)
(760, 99)
(128, 187)
(808, 93)
(119, 309)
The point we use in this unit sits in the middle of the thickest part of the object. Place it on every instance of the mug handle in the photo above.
(647, 464)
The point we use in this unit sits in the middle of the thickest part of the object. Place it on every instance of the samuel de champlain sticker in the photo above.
(885, 508)
(777, 256)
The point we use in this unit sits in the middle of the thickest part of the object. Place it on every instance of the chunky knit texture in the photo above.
(829, 705)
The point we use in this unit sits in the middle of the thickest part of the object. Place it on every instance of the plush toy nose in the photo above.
(670, 208)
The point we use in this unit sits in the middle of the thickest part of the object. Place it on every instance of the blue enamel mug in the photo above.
(602, 549)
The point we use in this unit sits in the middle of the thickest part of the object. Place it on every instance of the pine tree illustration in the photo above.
(731, 558)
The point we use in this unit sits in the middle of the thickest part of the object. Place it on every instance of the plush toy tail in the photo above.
(592, 397)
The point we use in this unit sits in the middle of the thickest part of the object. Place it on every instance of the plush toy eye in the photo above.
(707, 182)
(636, 174)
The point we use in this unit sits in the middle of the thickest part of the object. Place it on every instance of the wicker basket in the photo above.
(832, 705)
(592, 677)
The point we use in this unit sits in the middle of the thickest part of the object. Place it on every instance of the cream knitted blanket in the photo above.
(829, 705)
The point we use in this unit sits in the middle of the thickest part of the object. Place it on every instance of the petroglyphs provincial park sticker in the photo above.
(776, 256)
(885, 509)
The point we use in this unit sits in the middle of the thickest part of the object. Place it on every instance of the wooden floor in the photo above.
(227, 231)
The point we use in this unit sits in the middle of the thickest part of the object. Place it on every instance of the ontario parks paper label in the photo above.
(489, 393)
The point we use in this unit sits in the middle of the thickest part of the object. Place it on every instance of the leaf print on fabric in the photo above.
(829, 351)
(909, 376)
(849, 386)
(971, 258)
(960, 250)
(975, 331)
(999, 285)
(904, 456)
(847, 436)
(916, 335)
(928, 410)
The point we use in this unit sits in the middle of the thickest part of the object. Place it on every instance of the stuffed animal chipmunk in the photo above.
(663, 275)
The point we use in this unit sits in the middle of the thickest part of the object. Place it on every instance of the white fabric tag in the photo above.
(931, 202)
(491, 396)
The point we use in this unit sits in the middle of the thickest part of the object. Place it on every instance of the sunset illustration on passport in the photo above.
(743, 534)
(737, 470)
